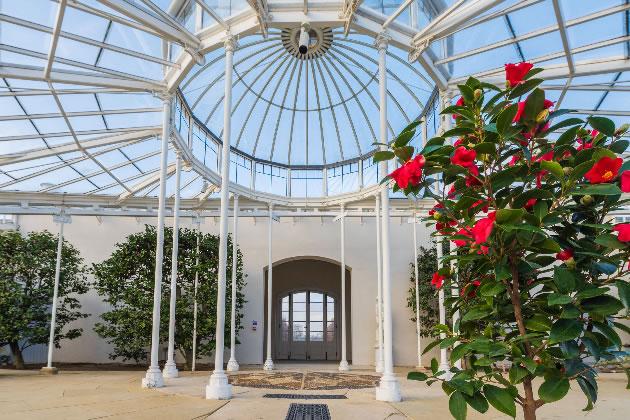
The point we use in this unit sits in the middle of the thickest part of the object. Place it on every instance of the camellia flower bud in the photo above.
(587, 200)
(542, 116)
(508, 85)
(478, 93)
(570, 263)
(567, 171)
(621, 130)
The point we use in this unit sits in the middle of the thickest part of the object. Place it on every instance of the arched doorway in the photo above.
(306, 312)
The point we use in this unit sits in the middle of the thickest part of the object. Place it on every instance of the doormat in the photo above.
(306, 397)
(308, 412)
(309, 380)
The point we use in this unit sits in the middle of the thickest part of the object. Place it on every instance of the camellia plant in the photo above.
(543, 263)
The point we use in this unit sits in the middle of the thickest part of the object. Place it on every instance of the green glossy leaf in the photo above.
(500, 399)
(491, 289)
(554, 168)
(538, 322)
(603, 125)
(447, 342)
(553, 389)
(405, 152)
(383, 155)
(592, 347)
(610, 241)
(458, 132)
(476, 313)
(404, 138)
(417, 376)
(533, 105)
(623, 289)
(580, 170)
(517, 373)
(457, 406)
(459, 352)
(556, 299)
(477, 401)
(523, 88)
(508, 216)
(431, 345)
(505, 118)
(602, 305)
(609, 333)
(434, 365)
(598, 189)
(565, 330)
(563, 279)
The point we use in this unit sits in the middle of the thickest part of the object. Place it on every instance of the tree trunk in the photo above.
(529, 405)
(188, 357)
(18, 360)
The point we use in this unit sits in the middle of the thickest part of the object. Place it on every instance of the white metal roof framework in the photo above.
(81, 81)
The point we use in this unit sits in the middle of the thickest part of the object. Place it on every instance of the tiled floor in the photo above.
(118, 395)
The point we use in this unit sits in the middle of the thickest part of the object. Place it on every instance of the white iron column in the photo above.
(170, 368)
(62, 219)
(343, 365)
(194, 343)
(445, 99)
(444, 364)
(153, 378)
(269, 361)
(379, 284)
(415, 270)
(388, 389)
(232, 365)
(219, 388)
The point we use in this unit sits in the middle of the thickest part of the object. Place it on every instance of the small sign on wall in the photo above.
(254, 325)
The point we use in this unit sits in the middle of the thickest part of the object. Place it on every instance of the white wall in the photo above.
(307, 237)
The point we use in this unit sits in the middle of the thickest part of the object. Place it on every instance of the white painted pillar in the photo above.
(170, 368)
(196, 220)
(153, 378)
(388, 389)
(269, 361)
(343, 365)
(379, 284)
(415, 269)
(444, 363)
(232, 365)
(62, 219)
(219, 388)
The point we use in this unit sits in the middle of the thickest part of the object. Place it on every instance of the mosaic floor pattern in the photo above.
(305, 381)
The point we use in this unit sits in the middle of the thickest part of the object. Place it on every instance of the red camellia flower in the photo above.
(483, 228)
(484, 205)
(437, 206)
(514, 73)
(465, 158)
(462, 242)
(451, 193)
(604, 170)
(625, 181)
(584, 145)
(460, 102)
(440, 227)
(565, 255)
(474, 285)
(529, 206)
(437, 280)
(411, 171)
(624, 232)
(471, 181)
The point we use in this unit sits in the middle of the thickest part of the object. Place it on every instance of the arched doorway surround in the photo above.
(306, 289)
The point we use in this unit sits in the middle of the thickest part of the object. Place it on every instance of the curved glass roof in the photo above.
(80, 83)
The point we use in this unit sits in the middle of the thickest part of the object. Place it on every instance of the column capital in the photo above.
(230, 43)
(178, 154)
(164, 95)
(445, 98)
(382, 40)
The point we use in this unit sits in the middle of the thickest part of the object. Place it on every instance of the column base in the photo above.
(232, 365)
(343, 366)
(153, 378)
(388, 389)
(218, 388)
(170, 370)
(379, 367)
(49, 371)
(269, 365)
(447, 371)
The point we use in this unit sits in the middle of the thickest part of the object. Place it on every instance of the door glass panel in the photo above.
(299, 316)
(330, 318)
(284, 323)
(316, 317)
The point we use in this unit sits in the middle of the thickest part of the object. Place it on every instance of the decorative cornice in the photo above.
(382, 40)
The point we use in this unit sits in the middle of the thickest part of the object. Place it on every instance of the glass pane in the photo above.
(330, 336)
(299, 331)
(317, 297)
(299, 310)
(285, 303)
(285, 330)
(285, 316)
(316, 336)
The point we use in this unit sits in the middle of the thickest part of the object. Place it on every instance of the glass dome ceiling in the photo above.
(80, 82)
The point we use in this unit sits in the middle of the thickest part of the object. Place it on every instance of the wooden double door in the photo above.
(307, 327)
